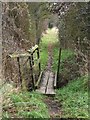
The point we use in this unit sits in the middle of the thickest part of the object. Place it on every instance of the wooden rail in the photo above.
(30, 56)
(48, 82)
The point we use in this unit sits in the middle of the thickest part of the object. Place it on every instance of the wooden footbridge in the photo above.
(47, 81)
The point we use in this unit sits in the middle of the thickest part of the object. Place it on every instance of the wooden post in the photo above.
(39, 62)
(32, 59)
(31, 73)
(58, 65)
(8, 60)
(18, 61)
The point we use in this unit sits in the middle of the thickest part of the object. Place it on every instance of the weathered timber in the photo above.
(37, 85)
(39, 61)
(32, 59)
(46, 82)
(19, 55)
(43, 83)
(55, 80)
(31, 70)
(18, 61)
(50, 87)
(46, 86)
(58, 66)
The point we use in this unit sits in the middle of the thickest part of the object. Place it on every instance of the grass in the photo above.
(65, 54)
(55, 57)
(25, 105)
(43, 56)
(50, 37)
(74, 98)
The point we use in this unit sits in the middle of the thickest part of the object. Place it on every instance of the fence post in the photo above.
(18, 61)
(58, 65)
(30, 62)
(39, 62)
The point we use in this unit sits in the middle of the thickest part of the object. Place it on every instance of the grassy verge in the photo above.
(74, 99)
(24, 105)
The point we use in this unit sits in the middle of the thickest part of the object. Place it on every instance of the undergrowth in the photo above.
(65, 54)
(74, 98)
(25, 105)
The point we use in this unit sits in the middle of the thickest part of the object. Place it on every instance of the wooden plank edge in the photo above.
(39, 80)
(55, 81)
(19, 55)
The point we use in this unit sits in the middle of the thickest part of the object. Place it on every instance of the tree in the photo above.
(73, 31)
(38, 12)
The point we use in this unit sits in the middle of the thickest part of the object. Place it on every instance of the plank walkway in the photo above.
(47, 84)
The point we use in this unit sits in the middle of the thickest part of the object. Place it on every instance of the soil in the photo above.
(53, 105)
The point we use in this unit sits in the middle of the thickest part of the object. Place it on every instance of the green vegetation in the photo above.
(65, 54)
(55, 57)
(23, 25)
(43, 55)
(74, 98)
(50, 37)
(25, 105)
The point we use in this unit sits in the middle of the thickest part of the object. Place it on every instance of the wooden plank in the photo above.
(39, 80)
(32, 59)
(45, 78)
(38, 56)
(19, 55)
(58, 65)
(50, 82)
(50, 88)
(41, 90)
(20, 76)
(43, 83)
(31, 70)
(50, 92)
(55, 80)
(47, 86)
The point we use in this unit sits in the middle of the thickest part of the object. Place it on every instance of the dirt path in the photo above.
(52, 104)
(53, 107)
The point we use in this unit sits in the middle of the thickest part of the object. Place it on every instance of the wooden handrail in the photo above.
(32, 63)
(19, 55)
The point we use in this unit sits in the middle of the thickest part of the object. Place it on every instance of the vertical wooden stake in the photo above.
(31, 73)
(39, 62)
(58, 65)
(18, 61)
(32, 59)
